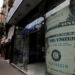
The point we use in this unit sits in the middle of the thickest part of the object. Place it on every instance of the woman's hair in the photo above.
(72, 7)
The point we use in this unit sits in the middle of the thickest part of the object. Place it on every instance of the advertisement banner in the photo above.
(60, 42)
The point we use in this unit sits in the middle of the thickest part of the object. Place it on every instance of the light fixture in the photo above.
(28, 5)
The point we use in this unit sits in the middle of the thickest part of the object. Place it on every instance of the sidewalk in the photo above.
(7, 69)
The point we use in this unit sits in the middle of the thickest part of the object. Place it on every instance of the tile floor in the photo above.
(36, 69)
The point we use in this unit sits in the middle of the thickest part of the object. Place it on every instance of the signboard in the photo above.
(3, 40)
(60, 43)
(11, 32)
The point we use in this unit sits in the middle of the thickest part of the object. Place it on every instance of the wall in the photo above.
(60, 42)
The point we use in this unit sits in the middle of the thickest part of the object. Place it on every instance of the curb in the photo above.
(19, 69)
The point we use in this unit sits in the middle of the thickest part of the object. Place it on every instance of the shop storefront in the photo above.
(20, 56)
(36, 64)
(29, 48)
(29, 43)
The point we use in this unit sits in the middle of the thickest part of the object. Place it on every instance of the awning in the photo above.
(34, 25)
(27, 30)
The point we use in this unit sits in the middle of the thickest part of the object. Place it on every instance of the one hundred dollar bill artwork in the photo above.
(60, 42)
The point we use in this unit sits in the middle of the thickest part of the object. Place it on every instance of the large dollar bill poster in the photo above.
(60, 42)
